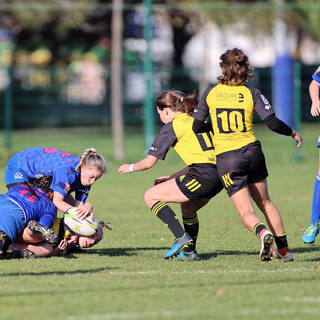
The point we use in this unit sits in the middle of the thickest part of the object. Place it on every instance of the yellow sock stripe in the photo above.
(282, 235)
(193, 219)
(255, 227)
(190, 221)
(190, 182)
(156, 210)
(158, 206)
(195, 188)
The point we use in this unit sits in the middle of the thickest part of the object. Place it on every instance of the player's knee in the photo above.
(148, 198)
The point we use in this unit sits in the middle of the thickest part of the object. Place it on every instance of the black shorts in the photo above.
(202, 181)
(238, 168)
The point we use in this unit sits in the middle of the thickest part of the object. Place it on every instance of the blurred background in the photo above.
(84, 63)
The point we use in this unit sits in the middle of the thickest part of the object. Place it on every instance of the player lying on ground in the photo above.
(70, 174)
(199, 184)
(67, 241)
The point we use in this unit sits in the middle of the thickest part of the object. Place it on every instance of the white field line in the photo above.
(240, 313)
(302, 299)
(127, 273)
(135, 315)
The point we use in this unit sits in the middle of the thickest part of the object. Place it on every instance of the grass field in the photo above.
(125, 275)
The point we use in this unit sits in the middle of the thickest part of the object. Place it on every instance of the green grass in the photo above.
(125, 275)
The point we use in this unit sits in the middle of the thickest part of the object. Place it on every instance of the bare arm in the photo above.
(314, 95)
(58, 201)
(144, 164)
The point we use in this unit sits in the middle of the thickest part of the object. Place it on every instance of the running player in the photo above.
(240, 160)
(312, 231)
(70, 173)
(199, 183)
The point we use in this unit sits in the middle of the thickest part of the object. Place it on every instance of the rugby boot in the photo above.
(266, 246)
(191, 255)
(310, 234)
(4, 244)
(284, 254)
(20, 254)
(178, 245)
(45, 233)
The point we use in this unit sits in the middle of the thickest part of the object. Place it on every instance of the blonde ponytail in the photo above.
(90, 158)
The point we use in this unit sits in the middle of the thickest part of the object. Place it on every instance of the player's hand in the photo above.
(72, 240)
(161, 179)
(63, 244)
(125, 168)
(84, 209)
(315, 109)
(296, 136)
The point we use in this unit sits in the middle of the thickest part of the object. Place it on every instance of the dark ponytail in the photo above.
(176, 101)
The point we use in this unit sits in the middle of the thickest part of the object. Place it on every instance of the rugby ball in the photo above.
(85, 227)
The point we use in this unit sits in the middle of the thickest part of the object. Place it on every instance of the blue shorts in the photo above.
(318, 143)
(12, 220)
(13, 173)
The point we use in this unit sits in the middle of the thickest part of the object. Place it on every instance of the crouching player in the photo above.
(25, 205)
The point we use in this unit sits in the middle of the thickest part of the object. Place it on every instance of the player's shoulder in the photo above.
(68, 169)
(166, 128)
(316, 75)
(182, 122)
(317, 70)
(210, 90)
(254, 90)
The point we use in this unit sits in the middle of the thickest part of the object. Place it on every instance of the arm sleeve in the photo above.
(278, 126)
(163, 142)
(60, 182)
(316, 75)
(202, 110)
(48, 218)
(266, 113)
(199, 126)
(261, 104)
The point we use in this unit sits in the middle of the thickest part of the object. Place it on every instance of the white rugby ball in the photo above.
(85, 227)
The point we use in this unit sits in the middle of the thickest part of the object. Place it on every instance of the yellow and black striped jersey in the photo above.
(231, 110)
(59, 228)
(191, 147)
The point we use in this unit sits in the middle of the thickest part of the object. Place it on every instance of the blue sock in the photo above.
(315, 213)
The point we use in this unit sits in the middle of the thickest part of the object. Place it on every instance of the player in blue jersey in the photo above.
(70, 173)
(312, 231)
(24, 205)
